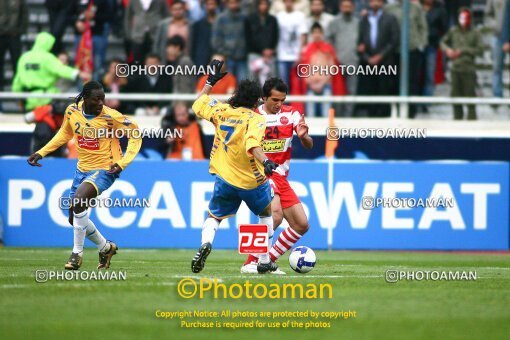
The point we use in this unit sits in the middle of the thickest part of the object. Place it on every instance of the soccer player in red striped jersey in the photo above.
(281, 123)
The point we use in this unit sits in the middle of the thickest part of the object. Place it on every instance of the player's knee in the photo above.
(211, 216)
(79, 203)
(302, 227)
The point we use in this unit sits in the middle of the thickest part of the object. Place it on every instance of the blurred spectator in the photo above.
(248, 7)
(318, 52)
(140, 22)
(47, 119)
(377, 44)
(38, 71)
(452, 9)
(494, 11)
(195, 10)
(116, 23)
(462, 44)
(96, 14)
(361, 7)
(113, 23)
(112, 83)
(278, 6)
(65, 85)
(13, 23)
(261, 41)
(201, 35)
(182, 82)
(292, 39)
(226, 85)
(60, 12)
(148, 82)
(318, 15)
(228, 38)
(331, 7)
(343, 33)
(437, 27)
(190, 146)
(262, 67)
(176, 24)
(418, 37)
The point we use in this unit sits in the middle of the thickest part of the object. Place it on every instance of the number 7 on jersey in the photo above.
(230, 131)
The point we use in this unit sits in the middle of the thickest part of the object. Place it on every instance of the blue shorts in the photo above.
(100, 179)
(226, 199)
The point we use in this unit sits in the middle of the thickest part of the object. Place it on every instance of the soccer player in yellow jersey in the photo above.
(100, 162)
(237, 161)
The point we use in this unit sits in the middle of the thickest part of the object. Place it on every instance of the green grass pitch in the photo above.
(126, 309)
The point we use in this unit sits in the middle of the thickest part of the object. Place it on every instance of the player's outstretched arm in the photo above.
(214, 76)
(63, 136)
(34, 159)
(204, 106)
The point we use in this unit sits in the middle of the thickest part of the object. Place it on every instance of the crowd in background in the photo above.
(259, 39)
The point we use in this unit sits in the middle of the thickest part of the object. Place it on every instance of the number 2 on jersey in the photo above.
(230, 131)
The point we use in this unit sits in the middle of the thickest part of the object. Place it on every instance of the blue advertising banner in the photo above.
(350, 205)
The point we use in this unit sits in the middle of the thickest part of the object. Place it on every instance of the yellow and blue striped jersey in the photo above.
(95, 152)
(238, 130)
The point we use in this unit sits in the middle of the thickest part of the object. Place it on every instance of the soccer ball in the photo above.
(302, 259)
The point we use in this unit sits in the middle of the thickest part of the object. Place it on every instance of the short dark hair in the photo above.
(246, 95)
(274, 84)
(87, 90)
(176, 40)
(153, 56)
(257, 2)
(178, 2)
(316, 26)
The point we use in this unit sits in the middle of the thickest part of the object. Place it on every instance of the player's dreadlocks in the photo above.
(87, 89)
(247, 94)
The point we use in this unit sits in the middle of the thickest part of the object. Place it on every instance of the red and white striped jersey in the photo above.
(280, 129)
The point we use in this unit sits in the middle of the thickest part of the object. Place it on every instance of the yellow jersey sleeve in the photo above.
(64, 134)
(206, 107)
(122, 122)
(254, 133)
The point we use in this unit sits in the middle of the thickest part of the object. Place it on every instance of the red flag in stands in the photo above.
(84, 56)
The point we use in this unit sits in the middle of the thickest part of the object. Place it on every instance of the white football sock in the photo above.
(264, 258)
(80, 225)
(209, 230)
(267, 220)
(95, 236)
